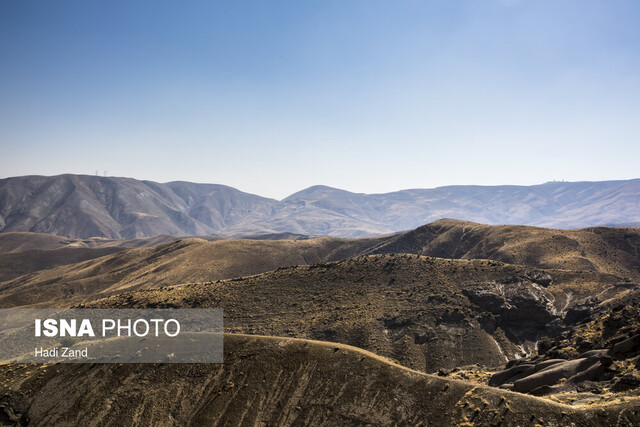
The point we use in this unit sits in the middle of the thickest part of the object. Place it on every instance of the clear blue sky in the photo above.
(273, 96)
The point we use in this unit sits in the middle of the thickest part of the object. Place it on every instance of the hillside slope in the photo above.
(428, 313)
(325, 210)
(24, 253)
(29, 277)
(607, 250)
(274, 381)
(13, 242)
(183, 261)
(83, 206)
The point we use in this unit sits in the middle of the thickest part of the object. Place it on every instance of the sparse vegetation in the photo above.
(459, 316)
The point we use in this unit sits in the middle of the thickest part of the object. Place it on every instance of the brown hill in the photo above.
(20, 242)
(188, 260)
(428, 313)
(274, 381)
(607, 250)
(16, 264)
(24, 253)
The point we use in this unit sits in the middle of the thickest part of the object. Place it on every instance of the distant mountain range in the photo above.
(82, 206)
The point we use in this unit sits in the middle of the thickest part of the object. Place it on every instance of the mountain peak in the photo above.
(316, 189)
(81, 206)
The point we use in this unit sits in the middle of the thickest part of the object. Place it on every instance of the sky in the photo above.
(369, 96)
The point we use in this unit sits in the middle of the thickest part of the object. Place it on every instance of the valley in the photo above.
(464, 313)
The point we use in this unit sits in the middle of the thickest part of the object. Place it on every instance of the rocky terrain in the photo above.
(182, 261)
(28, 277)
(593, 362)
(427, 313)
(516, 325)
(607, 250)
(275, 381)
(81, 206)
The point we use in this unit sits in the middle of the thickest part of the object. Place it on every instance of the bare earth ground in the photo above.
(452, 298)
(276, 381)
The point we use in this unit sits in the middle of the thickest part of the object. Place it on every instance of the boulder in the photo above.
(627, 346)
(617, 339)
(626, 382)
(500, 378)
(544, 345)
(594, 353)
(546, 363)
(552, 374)
(593, 373)
(542, 391)
(589, 387)
(521, 375)
(442, 372)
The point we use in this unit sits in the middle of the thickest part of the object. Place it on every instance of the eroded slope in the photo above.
(428, 313)
(608, 250)
(188, 260)
(274, 381)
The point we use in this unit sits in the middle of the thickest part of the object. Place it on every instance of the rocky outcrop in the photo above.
(540, 377)
(600, 352)
(518, 305)
(273, 381)
(552, 374)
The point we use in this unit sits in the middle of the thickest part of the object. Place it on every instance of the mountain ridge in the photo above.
(276, 381)
(83, 206)
(37, 276)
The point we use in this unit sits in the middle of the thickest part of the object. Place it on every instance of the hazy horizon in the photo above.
(334, 187)
(366, 96)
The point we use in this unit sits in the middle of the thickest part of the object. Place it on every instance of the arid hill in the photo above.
(21, 242)
(466, 314)
(24, 253)
(18, 242)
(29, 277)
(607, 250)
(83, 206)
(275, 381)
(183, 261)
(428, 313)
(16, 264)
